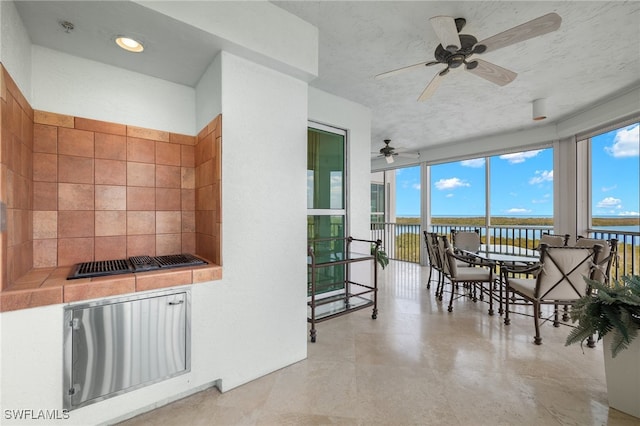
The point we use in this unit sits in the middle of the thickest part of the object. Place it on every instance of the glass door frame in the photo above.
(344, 211)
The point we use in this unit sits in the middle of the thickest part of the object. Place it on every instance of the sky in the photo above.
(522, 183)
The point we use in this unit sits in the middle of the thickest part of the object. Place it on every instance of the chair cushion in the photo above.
(524, 286)
(453, 265)
(602, 259)
(467, 240)
(576, 262)
(470, 273)
(552, 240)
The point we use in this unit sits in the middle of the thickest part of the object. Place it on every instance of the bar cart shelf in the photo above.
(353, 296)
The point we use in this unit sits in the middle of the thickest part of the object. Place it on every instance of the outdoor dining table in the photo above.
(497, 255)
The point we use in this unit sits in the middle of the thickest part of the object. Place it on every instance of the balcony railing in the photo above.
(628, 262)
(403, 241)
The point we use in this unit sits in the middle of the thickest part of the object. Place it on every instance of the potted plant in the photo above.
(612, 312)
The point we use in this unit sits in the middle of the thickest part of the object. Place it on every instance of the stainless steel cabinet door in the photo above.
(116, 347)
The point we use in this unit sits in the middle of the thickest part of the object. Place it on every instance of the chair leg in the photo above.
(507, 320)
(429, 279)
(556, 316)
(565, 314)
(453, 291)
(536, 318)
(490, 297)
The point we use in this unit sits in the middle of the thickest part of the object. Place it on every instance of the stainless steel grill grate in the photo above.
(143, 263)
(133, 264)
(100, 268)
(176, 260)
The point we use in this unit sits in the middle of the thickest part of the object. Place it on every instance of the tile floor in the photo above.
(417, 364)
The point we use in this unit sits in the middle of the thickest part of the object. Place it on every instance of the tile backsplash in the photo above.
(78, 189)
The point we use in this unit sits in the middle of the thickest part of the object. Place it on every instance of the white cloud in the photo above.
(610, 202)
(629, 214)
(416, 186)
(542, 176)
(475, 163)
(541, 201)
(451, 183)
(519, 157)
(626, 143)
(608, 188)
(518, 210)
(449, 196)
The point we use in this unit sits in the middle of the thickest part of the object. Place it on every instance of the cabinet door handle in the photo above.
(179, 302)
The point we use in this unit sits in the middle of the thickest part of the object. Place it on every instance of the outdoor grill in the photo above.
(103, 268)
(100, 268)
(143, 263)
(177, 260)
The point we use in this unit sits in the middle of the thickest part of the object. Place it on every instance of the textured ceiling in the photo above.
(595, 55)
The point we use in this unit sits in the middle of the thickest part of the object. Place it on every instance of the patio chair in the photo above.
(466, 240)
(478, 271)
(439, 251)
(559, 280)
(431, 238)
(606, 256)
(556, 241)
(553, 240)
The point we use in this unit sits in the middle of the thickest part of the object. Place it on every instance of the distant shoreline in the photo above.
(505, 220)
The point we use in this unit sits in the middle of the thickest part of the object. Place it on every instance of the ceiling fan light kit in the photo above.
(455, 49)
(389, 152)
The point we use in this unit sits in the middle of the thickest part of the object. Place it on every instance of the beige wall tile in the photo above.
(110, 223)
(45, 224)
(111, 197)
(112, 147)
(75, 142)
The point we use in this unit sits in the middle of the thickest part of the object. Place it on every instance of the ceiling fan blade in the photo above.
(431, 88)
(534, 28)
(493, 73)
(403, 69)
(447, 32)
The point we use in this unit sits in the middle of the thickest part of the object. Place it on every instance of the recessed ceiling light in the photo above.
(129, 44)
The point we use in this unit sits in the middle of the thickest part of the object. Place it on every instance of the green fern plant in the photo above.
(381, 256)
(609, 309)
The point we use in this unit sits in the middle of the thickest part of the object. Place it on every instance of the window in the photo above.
(522, 188)
(615, 177)
(520, 192)
(377, 203)
(458, 191)
(326, 201)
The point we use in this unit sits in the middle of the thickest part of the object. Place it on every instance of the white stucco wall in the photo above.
(209, 93)
(75, 86)
(261, 303)
(263, 33)
(15, 47)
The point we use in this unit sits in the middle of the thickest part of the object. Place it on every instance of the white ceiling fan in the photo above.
(388, 152)
(455, 49)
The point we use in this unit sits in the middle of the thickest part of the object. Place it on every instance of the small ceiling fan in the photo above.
(388, 152)
(455, 49)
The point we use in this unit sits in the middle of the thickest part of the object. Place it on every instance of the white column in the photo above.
(425, 207)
